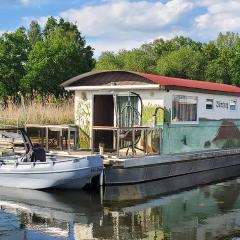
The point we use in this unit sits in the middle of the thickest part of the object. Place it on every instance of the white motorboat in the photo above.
(35, 170)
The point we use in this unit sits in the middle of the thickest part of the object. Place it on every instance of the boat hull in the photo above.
(73, 174)
(170, 168)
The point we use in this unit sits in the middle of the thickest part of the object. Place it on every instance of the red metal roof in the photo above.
(179, 82)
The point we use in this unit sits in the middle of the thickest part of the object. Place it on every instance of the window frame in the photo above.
(209, 109)
(235, 101)
(185, 122)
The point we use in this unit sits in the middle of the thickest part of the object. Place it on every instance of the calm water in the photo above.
(129, 212)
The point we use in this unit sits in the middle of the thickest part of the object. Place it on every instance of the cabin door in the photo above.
(103, 116)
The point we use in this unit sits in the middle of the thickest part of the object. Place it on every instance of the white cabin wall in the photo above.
(150, 98)
(212, 114)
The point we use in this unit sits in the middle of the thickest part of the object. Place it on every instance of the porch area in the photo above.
(127, 142)
(118, 130)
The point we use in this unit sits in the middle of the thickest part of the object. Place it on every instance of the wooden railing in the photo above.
(131, 141)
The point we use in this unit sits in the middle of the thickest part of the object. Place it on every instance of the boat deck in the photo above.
(154, 159)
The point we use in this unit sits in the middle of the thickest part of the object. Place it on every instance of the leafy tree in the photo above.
(108, 61)
(227, 40)
(14, 49)
(139, 60)
(216, 61)
(62, 54)
(210, 51)
(222, 66)
(162, 48)
(50, 26)
(34, 33)
(135, 60)
(184, 63)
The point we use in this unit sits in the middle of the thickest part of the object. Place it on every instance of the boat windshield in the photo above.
(12, 142)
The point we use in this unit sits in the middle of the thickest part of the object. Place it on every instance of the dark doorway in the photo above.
(103, 116)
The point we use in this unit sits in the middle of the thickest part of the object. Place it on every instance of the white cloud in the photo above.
(114, 44)
(41, 20)
(117, 24)
(24, 2)
(221, 16)
(121, 17)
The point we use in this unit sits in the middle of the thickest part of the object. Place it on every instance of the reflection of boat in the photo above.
(62, 205)
(209, 212)
(204, 213)
(57, 213)
(33, 170)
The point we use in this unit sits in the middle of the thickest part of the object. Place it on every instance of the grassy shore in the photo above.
(38, 113)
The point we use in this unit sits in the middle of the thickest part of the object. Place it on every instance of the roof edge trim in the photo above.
(124, 87)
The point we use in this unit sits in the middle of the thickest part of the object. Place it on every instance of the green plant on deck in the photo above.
(148, 114)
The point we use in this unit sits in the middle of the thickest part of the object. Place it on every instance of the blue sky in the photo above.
(125, 24)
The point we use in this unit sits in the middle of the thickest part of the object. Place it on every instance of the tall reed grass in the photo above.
(34, 112)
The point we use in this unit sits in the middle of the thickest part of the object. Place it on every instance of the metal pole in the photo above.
(133, 141)
(118, 141)
(46, 138)
(69, 136)
(61, 139)
(92, 141)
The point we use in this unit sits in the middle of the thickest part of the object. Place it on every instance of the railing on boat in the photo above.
(130, 141)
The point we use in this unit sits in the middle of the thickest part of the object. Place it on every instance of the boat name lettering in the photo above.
(221, 104)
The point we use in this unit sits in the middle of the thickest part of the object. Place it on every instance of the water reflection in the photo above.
(208, 212)
(35, 214)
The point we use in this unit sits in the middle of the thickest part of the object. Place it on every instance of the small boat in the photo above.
(35, 170)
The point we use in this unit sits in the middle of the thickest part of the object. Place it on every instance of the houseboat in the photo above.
(153, 127)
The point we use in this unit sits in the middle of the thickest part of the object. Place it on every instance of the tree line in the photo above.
(215, 61)
(34, 62)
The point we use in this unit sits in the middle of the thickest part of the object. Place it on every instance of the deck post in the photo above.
(46, 138)
(101, 178)
(61, 139)
(69, 136)
(76, 134)
(92, 141)
(133, 142)
(118, 141)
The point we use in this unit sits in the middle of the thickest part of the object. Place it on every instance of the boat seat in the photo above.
(38, 154)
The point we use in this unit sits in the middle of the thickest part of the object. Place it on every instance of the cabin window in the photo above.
(184, 108)
(209, 104)
(232, 105)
